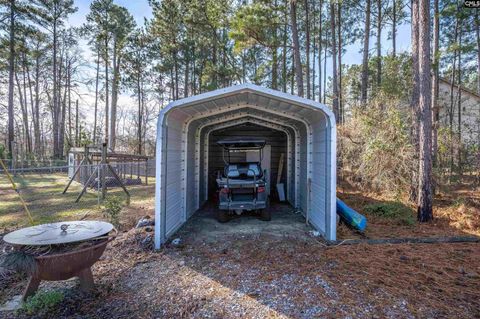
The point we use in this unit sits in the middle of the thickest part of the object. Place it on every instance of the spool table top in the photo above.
(58, 233)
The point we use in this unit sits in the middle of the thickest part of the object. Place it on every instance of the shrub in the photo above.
(113, 207)
(374, 145)
(42, 301)
(397, 211)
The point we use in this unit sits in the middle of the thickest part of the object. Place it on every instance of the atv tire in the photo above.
(265, 215)
(222, 216)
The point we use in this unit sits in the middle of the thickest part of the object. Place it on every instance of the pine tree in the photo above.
(51, 16)
(366, 40)
(424, 204)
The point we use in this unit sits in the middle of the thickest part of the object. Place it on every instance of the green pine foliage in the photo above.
(396, 211)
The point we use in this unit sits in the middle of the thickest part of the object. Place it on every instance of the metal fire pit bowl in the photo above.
(65, 265)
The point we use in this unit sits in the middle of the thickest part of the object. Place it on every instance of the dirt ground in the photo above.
(254, 269)
(456, 212)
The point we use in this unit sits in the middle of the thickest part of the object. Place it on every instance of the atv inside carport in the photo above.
(242, 166)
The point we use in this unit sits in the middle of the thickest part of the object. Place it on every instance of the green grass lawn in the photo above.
(44, 198)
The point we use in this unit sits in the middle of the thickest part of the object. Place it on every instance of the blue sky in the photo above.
(138, 8)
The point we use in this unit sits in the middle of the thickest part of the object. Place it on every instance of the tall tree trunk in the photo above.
(452, 91)
(97, 76)
(175, 70)
(23, 109)
(414, 106)
(435, 82)
(424, 205)
(459, 104)
(107, 121)
(194, 71)
(32, 107)
(244, 68)
(339, 27)
(214, 60)
(325, 68)
(113, 109)
(275, 55)
(320, 51)
(69, 87)
(63, 107)
(394, 28)
(334, 61)
(452, 100)
(292, 74)
(144, 116)
(366, 40)
(274, 68)
(77, 128)
(296, 48)
(224, 57)
(477, 35)
(36, 106)
(284, 56)
(379, 43)
(11, 87)
(139, 129)
(285, 51)
(24, 83)
(55, 100)
(307, 46)
(187, 74)
(314, 56)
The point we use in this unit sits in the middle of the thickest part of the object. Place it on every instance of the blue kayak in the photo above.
(350, 216)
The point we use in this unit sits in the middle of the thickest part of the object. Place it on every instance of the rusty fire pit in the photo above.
(70, 262)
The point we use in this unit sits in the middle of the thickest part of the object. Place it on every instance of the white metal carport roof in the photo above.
(179, 146)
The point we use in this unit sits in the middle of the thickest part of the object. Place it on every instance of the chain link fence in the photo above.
(55, 191)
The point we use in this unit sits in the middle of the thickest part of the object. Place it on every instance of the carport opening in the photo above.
(276, 145)
(185, 181)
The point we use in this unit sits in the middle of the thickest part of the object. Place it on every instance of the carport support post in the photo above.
(160, 171)
(332, 177)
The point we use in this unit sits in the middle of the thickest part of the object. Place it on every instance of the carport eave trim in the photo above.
(251, 88)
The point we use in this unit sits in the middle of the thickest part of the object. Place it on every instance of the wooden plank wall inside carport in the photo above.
(277, 140)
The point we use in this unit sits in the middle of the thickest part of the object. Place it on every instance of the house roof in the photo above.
(464, 89)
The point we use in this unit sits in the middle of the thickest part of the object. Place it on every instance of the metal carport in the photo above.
(181, 156)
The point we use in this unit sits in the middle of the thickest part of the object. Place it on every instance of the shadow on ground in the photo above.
(255, 269)
(286, 222)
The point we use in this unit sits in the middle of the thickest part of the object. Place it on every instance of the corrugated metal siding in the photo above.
(191, 184)
(202, 192)
(303, 170)
(174, 173)
(291, 185)
(319, 186)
